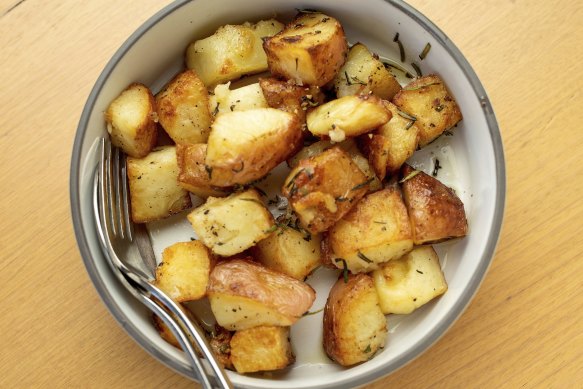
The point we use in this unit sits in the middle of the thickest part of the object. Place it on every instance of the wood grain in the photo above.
(523, 329)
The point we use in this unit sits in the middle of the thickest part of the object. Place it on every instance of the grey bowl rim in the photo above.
(422, 345)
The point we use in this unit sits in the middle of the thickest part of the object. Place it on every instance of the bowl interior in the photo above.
(473, 155)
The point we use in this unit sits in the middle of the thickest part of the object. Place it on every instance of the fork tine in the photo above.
(117, 220)
(129, 227)
(109, 190)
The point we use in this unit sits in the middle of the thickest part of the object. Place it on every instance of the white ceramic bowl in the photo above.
(155, 52)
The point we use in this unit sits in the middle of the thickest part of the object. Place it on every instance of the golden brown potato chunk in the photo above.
(262, 348)
(193, 176)
(376, 230)
(244, 146)
(435, 211)
(153, 182)
(130, 121)
(183, 109)
(354, 326)
(428, 102)
(232, 51)
(247, 97)
(184, 271)
(230, 225)
(243, 294)
(347, 116)
(406, 283)
(290, 252)
(391, 144)
(351, 148)
(287, 96)
(323, 188)
(363, 73)
(310, 50)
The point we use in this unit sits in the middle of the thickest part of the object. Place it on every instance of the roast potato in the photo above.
(245, 145)
(184, 271)
(220, 343)
(130, 121)
(391, 144)
(347, 116)
(153, 182)
(374, 231)
(192, 174)
(183, 109)
(289, 251)
(263, 348)
(428, 102)
(309, 51)
(244, 294)
(247, 97)
(230, 225)
(290, 97)
(351, 148)
(363, 73)
(323, 188)
(232, 51)
(354, 326)
(435, 211)
(406, 283)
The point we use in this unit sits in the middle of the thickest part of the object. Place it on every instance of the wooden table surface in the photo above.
(523, 329)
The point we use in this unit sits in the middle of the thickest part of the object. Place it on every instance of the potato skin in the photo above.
(263, 348)
(183, 109)
(309, 51)
(278, 299)
(428, 100)
(153, 183)
(323, 188)
(192, 174)
(130, 121)
(363, 73)
(245, 145)
(435, 211)
(354, 326)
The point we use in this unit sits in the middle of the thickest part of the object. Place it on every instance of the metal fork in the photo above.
(116, 235)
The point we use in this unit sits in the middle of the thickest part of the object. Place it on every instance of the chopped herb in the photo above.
(377, 222)
(436, 168)
(344, 269)
(261, 191)
(407, 116)
(409, 176)
(367, 349)
(209, 170)
(417, 69)
(232, 107)
(421, 86)
(419, 271)
(271, 229)
(216, 111)
(363, 257)
(296, 63)
(401, 48)
(206, 211)
(313, 313)
(425, 51)
(353, 80)
(448, 133)
(192, 239)
(341, 199)
(307, 11)
(363, 184)
(239, 169)
(439, 108)
(252, 200)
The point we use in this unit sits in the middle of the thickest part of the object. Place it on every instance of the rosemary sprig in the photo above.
(425, 51)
